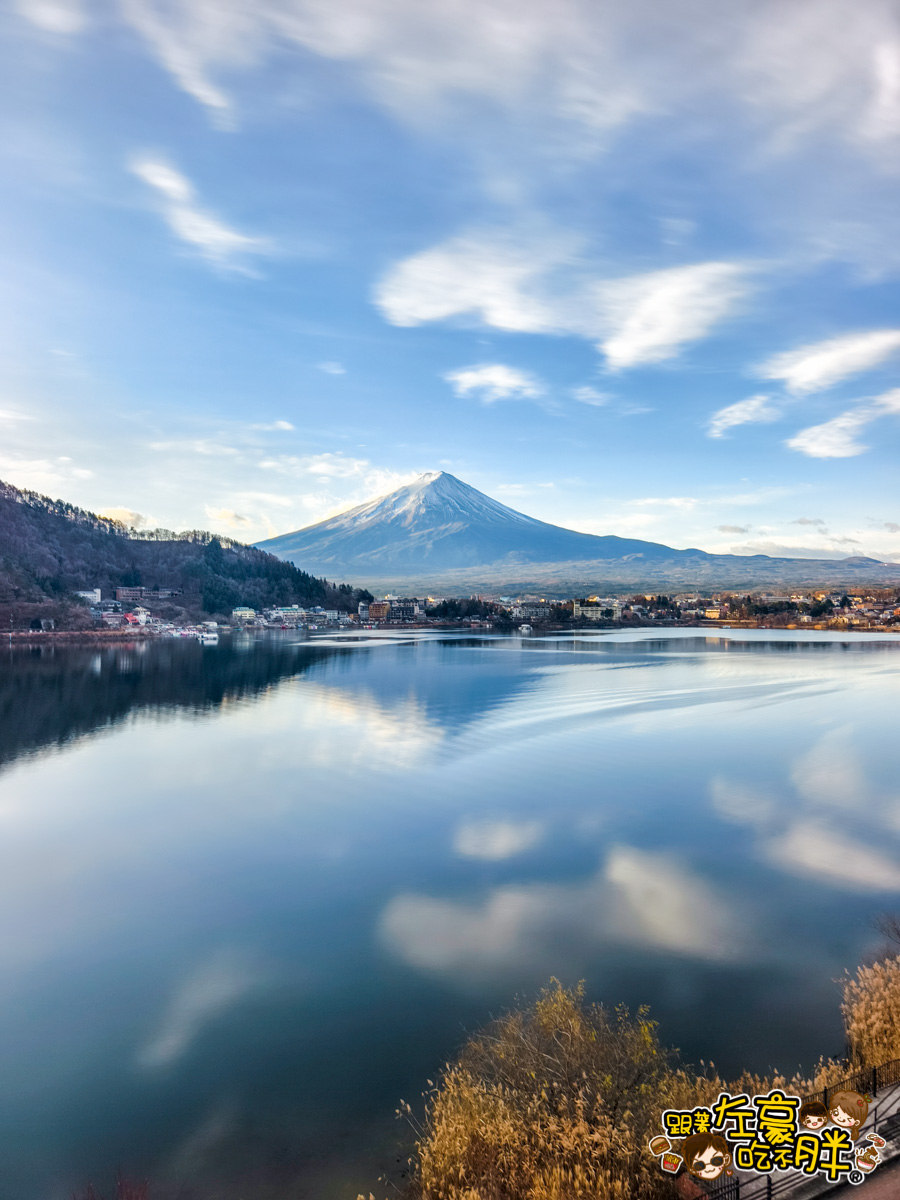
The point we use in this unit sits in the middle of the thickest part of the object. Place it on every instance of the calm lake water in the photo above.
(254, 894)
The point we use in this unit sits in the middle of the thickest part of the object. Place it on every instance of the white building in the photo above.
(532, 611)
(597, 610)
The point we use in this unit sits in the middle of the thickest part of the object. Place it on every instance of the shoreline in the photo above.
(20, 636)
(106, 636)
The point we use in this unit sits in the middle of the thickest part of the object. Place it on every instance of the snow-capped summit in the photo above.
(436, 496)
(438, 523)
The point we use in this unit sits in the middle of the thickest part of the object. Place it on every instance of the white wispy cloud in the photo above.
(217, 242)
(495, 381)
(822, 364)
(577, 69)
(212, 988)
(740, 803)
(47, 475)
(229, 519)
(819, 851)
(264, 490)
(188, 40)
(650, 317)
(331, 368)
(793, 549)
(204, 446)
(204, 1144)
(55, 16)
(806, 835)
(838, 438)
(829, 771)
(494, 841)
(685, 502)
(590, 395)
(486, 275)
(754, 408)
(128, 516)
(636, 898)
(545, 285)
(330, 465)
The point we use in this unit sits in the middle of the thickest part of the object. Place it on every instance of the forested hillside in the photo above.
(50, 549)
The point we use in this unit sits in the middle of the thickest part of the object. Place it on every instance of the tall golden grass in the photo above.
(558, 1100)
(871, 1012)
(549, 1103)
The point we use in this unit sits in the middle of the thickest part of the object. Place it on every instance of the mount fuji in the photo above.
(439, 529)
(440, 523)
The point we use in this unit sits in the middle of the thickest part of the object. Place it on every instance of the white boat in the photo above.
(208, 639)
(525, 629)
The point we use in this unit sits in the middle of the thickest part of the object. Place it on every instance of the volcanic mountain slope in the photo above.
(440, 530)
(440, 523)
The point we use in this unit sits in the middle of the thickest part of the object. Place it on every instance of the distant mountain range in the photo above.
(441, 532)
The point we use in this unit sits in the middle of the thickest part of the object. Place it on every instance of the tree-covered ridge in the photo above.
(50, 549)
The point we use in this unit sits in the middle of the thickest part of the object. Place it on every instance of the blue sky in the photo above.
(629, 268)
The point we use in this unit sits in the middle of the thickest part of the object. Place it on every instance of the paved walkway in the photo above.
(884, 1184)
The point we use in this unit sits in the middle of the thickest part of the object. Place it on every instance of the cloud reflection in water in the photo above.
(635, 899)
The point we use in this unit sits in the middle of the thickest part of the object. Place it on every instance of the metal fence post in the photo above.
(874, 1081)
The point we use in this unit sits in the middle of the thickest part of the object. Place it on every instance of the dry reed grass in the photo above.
(871, 1011)
(557, 1101)
(554, 1102)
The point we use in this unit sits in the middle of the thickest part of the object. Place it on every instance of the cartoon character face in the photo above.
(709, 1164)
(813, 1115)
(848, 1110)
(706, 1155)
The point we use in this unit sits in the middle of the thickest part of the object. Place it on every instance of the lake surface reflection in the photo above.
(253, 895)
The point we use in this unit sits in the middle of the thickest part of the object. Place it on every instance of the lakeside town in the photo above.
(144, 609)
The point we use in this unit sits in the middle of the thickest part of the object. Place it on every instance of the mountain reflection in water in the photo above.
(254, 894)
